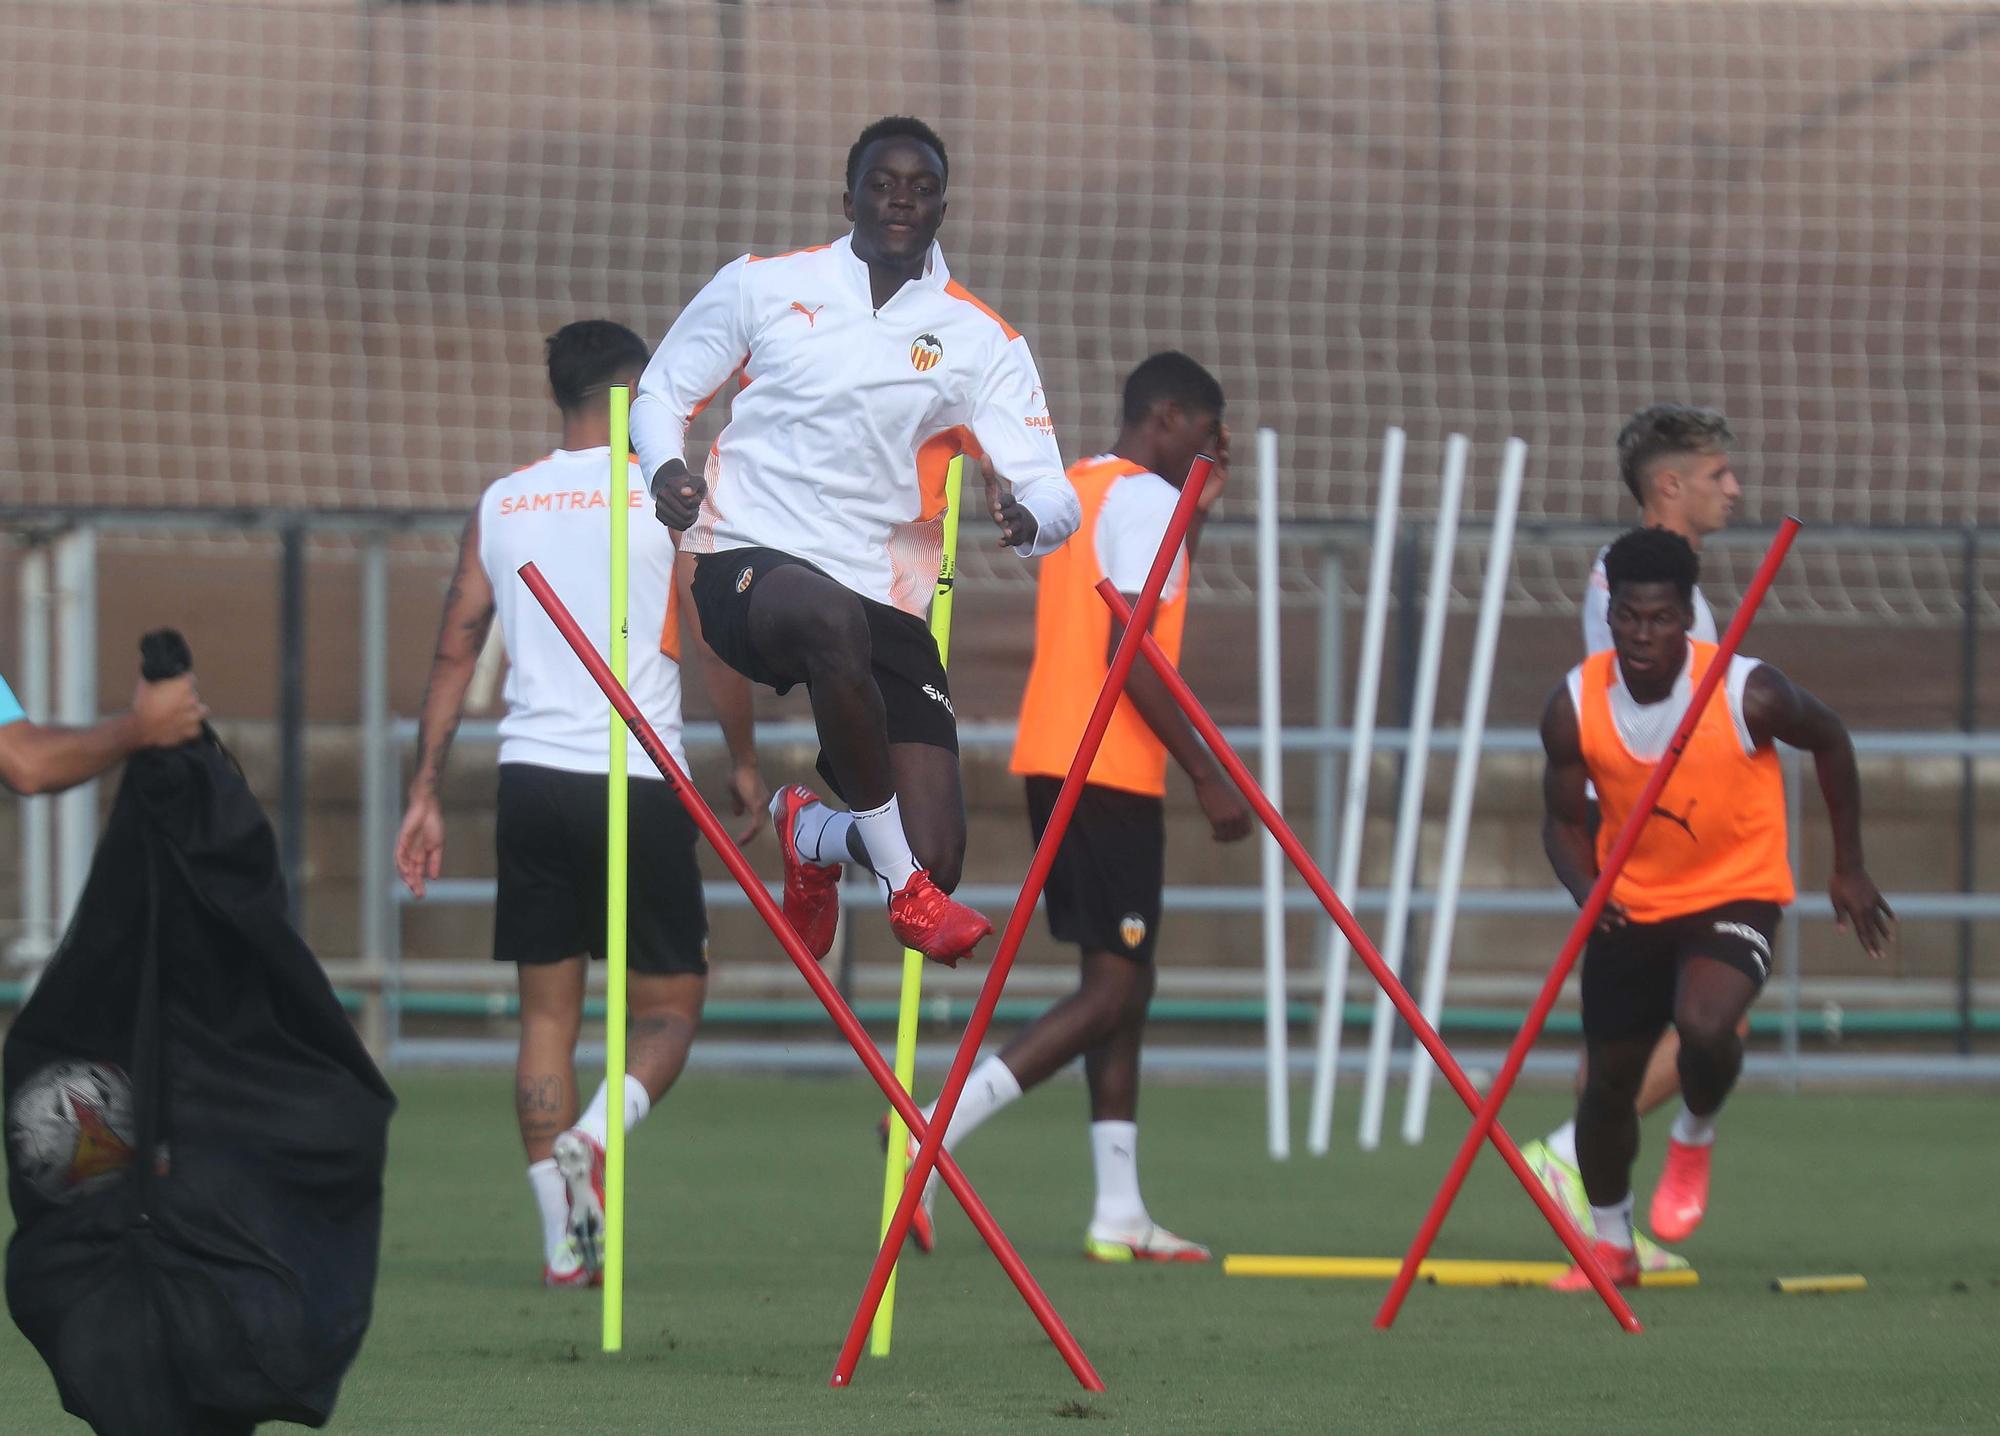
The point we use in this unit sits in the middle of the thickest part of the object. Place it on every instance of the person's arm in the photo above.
(1567, 831)
(1033, 503)
(42, 758)
(1227, 812)
(729, 695)
(1131, 525)
(1777, 710)
(1211, 493)
(468, 615)
(707, 343)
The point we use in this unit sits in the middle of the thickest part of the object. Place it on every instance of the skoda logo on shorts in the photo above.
(925, 352)
(743, 578)
(1131, 930)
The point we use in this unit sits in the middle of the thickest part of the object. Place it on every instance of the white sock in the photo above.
(596, 1118)
(1562, 1142)
(1614, 1223)
(991, 1086)
(1114, 1152)
(820, 834)
(888, 847)
(552, 1200)
(1693, 1131)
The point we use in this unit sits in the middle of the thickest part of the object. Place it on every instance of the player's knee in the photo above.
(550, 1024)
(1612, 1082)
(1707, 1030)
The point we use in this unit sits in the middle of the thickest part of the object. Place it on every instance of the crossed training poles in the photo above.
(1135, 642)
(1486, 1114)
(842, 1015)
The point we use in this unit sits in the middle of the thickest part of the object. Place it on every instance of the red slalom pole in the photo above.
(1017, 923)
(843, 1016)
(1586, 921)
(1399, 996)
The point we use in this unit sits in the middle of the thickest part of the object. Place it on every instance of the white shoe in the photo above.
(581, 1161)
(566, 1267)
(1151, 1242)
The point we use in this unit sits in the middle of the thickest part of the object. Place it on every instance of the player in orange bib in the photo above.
(1104, 891)
(1686, 937)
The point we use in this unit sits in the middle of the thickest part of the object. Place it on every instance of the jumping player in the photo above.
(550, 835)
(1104, 890)
(1674, 459)
(1686, 938)
(862, 364)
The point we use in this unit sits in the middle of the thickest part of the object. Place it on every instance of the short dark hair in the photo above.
(1653, 556)
(1175, 377)
(896, 127)
(1660, 431)
(586, 356)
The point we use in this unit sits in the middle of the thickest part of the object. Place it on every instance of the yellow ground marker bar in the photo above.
(1439, 1271)
(1792, 1285)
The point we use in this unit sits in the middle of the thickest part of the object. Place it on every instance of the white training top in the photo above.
(554, 513)
(847, 415)
(1131, 525)
(1597, 610)
(1646, 728)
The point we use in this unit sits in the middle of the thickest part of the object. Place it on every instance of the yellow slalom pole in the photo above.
(615, 857)
(897, 1164)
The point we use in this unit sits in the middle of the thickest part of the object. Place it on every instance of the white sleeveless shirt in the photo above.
(554, 512)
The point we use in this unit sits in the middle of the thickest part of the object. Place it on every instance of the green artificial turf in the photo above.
(754, 1202)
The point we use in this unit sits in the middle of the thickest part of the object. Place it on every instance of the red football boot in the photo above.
(923, 917)
(1621, 1264)
(1681, 1199)
(812, 890)
(922, 1231)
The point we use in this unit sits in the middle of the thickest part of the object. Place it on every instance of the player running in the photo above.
(1104, 890)
(1675, 460)
(548, 918)
(1686, 938)
(819, 522)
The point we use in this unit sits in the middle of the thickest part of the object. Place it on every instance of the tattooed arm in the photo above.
(468, 615)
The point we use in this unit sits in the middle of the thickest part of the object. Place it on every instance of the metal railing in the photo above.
(63, 594)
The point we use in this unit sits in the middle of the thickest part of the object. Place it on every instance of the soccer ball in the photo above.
(70, 1129)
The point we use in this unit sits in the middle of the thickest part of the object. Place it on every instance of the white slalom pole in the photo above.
(1277, 1093)
(1410, 810)
(1465, 779)
(1354, 813)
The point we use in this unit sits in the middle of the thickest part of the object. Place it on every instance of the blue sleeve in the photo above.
(11, 710)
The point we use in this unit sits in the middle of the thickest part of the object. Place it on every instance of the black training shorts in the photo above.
(1104, 890)
(551, 840)
(915, 693)
(1630, 973)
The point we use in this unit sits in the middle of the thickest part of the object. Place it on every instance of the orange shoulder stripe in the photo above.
(959, 291)
(809, 249)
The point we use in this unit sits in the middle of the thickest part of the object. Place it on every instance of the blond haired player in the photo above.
(548, 917)
(1104, 891)
(1674, 458)
(862, 364)
(1686, 939)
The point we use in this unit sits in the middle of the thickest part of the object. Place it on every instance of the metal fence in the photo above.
(58, 587)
